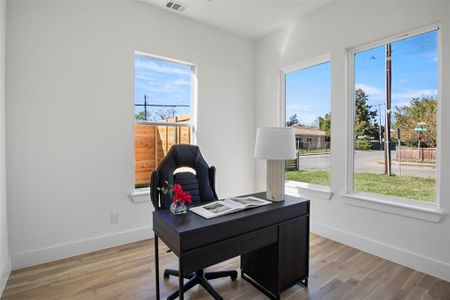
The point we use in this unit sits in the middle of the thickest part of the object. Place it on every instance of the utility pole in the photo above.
(399, 151)
(387, 130)
(379, 124)
(145, 107)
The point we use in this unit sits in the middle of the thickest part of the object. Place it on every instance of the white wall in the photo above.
(335, 27)
(70, 118)
(5, 261)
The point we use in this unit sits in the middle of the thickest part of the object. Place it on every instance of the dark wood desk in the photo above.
(273, 242)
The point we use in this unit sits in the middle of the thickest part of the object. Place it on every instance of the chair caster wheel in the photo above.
(234, 276)
(166, 275)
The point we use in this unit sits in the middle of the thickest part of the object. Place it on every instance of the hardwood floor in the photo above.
(126, 272)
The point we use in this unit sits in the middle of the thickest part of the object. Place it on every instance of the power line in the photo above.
(163, 105)
(145, 105)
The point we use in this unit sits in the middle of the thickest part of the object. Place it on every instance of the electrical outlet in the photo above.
(115, 218)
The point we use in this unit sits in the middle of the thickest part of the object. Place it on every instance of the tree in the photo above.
(325, 125)
(162, 114)
(419, 110)
(366, 126)
(165, 114)
(140, 116)
(293, 121)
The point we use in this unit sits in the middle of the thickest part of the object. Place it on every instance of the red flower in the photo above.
(180, 195)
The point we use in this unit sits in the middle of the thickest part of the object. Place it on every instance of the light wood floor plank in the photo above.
(127, 272)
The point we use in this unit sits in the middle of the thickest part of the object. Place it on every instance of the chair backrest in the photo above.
(200, 185)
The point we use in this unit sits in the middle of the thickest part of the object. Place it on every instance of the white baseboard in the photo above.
(39, 256)
(403, 257)
(5, 270)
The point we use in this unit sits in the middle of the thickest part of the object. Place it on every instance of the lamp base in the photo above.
(275, 180)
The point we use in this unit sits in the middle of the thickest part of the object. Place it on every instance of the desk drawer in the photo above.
(194, 231)
(200, 258)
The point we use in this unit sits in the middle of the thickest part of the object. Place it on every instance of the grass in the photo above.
(317, 177)
(409, 187)
(321, 151)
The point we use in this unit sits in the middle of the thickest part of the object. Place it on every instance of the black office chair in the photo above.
(201, 186)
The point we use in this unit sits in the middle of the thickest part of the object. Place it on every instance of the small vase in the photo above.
(178, 208)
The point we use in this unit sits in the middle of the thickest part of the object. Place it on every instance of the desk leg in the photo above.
(181, 279)
(157, 267)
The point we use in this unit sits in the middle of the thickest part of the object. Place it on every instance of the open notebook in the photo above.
(227, 206)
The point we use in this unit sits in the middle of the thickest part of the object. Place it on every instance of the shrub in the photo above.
(363, 145)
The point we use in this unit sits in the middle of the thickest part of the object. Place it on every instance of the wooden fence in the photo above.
(413, 154)
(151, 143)
(291, 164)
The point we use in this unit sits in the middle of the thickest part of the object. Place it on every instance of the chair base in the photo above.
(200, 277)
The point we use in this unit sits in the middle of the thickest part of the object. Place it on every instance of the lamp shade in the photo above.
(275, 143)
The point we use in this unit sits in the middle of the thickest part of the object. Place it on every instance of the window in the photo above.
(395, 117)
(298, 141)
(308, 111)
(162, 110)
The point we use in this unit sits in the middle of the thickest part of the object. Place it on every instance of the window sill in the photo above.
(314, 191)
(140, 195)
(397, 206)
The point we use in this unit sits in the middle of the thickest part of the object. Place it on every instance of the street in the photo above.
(368, 161)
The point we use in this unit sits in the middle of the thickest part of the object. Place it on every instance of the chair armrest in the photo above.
(154, 193)
(212, 180)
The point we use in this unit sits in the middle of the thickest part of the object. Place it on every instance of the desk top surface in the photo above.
(192, 222)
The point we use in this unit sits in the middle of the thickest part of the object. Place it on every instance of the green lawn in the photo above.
(405, 186)
(318, 177)
(307, 152)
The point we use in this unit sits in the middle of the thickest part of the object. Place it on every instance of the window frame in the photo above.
(382, 202)
(194, 93)
(142, 194)
(302, 188)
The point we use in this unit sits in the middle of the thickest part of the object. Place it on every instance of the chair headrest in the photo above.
(184, 155)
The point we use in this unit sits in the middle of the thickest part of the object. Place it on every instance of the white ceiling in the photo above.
(248, 18)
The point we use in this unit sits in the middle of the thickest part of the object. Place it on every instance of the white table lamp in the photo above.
(275, 144)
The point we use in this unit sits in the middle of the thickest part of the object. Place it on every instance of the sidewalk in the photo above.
(409, 163)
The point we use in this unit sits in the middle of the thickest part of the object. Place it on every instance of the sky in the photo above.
(414, 74)
(163, 82)
(308, 91)
(414, 71)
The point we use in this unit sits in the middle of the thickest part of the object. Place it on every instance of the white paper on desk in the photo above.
(227, 206)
